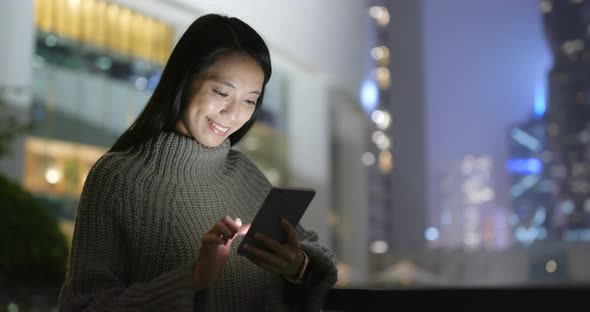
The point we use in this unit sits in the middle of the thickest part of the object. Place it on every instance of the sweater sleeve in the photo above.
(98, 267)
(321, 274)
(319, 278)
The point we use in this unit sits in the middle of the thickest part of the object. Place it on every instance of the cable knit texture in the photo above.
(138, 228)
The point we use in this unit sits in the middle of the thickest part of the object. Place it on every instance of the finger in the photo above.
(221, 229)
(244, 229)
(266, 257)
(212, 238)
(291, 233)
(274, 246)
(230, 224)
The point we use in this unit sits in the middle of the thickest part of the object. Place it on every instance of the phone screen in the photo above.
(288, 203)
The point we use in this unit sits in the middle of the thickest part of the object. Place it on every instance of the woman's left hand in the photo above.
(286, 258)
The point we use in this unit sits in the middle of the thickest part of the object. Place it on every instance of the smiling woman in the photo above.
(159, 213)
(223, 99)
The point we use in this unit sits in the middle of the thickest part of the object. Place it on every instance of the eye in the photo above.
(219, 93)
(251, 102)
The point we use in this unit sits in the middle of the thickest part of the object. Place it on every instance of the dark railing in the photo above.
(406, 299)
(546, 298)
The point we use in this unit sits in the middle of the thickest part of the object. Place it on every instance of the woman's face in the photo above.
(223, 99)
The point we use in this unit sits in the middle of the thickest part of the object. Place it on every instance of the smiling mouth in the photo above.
(217, 128)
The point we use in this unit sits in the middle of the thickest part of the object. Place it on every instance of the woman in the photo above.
(160, 211)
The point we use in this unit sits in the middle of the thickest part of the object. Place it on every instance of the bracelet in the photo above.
(299, 277)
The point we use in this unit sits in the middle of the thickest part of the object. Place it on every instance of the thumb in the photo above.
(244, 229)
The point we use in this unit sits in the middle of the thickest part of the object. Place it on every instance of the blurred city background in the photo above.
(448, 140)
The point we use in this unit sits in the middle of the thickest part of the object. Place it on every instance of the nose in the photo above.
(231, 110)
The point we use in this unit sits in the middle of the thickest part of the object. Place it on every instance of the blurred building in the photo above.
(469, 217)
(532, 190)
(378, 157)
(395, 153)
(567, 26)
(550, 153)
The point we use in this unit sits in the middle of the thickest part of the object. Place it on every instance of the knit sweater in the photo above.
(138, 230)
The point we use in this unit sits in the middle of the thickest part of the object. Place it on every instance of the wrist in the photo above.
(298, 276)
(197, 282)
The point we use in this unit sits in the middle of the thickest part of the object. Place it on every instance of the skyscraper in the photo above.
(469, 216)
(567, 25)
(397, 178)
(550, 165)
(532, 187)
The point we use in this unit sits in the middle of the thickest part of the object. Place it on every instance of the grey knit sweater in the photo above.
(140, 220)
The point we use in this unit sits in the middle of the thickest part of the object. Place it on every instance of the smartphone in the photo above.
(281, 202)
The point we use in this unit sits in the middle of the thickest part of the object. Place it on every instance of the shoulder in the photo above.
(246, 166)
(109, 164)
(238, 156)
(108, 173)
(100, 194)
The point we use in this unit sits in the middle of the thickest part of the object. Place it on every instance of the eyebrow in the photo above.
(231, 85)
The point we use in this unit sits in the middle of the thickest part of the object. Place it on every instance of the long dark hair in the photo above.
(207, 38)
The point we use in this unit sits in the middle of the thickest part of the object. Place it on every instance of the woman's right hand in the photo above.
(214, 251)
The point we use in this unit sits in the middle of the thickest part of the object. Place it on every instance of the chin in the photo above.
(205, 138)
(210, 142)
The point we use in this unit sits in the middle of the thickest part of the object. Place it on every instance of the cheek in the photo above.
(207, 106)
(199, 108)
(245, 115)
(189, 114)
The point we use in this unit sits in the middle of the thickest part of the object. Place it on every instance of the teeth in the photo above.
(218, 127)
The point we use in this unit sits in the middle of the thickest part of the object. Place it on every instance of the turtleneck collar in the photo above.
(191, 150)
(184, 159)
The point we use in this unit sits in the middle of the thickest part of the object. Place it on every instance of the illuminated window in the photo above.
(106, 25)
(59, 168)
